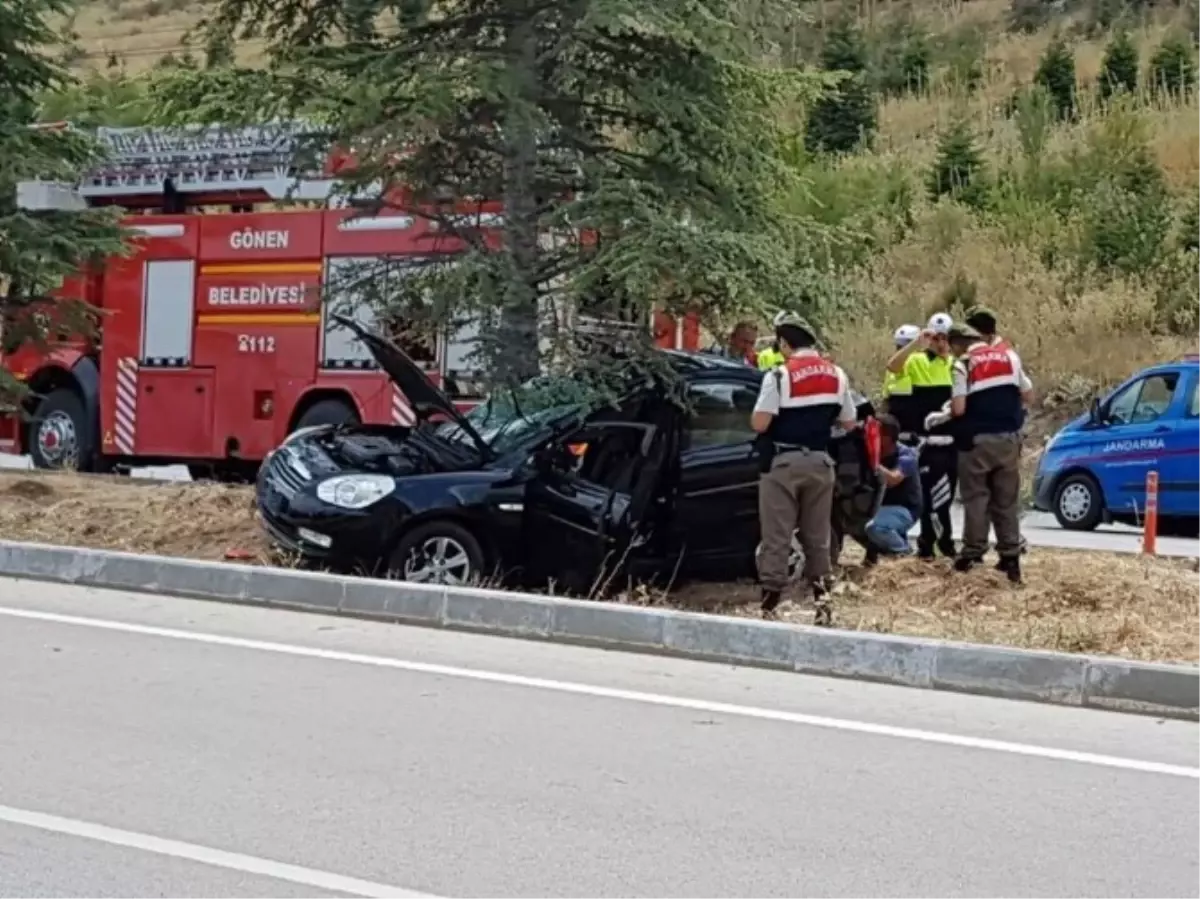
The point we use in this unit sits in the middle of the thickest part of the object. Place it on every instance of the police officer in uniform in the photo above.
(988, 400)
(771, 356)
(930, 369)
(799, 404)
(897, 386)
(983, 320)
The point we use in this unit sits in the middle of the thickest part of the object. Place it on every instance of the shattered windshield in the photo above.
(510, 416)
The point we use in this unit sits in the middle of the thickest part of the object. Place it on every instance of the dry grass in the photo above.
(1075, 602)
(138, 33)
(199, 521)
(1103, 603)
(1087, 339)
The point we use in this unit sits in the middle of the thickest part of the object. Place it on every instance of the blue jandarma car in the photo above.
(1095, 468)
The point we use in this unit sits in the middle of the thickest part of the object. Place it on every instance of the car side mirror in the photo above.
(1096, 413)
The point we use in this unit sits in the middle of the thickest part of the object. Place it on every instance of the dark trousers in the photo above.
(939, 481)
(991, 492)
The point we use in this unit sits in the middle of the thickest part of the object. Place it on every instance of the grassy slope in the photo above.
(1073, 340)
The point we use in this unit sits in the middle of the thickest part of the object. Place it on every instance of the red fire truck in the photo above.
(215, 344)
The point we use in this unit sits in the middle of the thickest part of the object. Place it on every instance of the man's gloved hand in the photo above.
(936, 419)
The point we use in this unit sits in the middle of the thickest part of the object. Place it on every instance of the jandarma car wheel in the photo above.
(1078, 503)
(440, 552)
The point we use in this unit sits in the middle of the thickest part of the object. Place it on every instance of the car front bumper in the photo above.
(1043, 492)
(298, 522)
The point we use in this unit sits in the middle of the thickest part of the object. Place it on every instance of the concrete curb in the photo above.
(1089, 681)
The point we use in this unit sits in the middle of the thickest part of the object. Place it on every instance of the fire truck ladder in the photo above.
(213, 160)
(204, 160)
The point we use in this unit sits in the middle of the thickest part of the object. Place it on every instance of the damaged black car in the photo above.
(560, 482)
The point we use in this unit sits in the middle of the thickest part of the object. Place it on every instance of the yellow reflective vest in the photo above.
(897, 384)
(769, 358)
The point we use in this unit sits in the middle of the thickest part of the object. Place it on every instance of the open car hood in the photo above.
(423, 395)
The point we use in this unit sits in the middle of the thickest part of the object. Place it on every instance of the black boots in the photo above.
(1011, 566)
(770, 602)
(822, 602)
(945, 547)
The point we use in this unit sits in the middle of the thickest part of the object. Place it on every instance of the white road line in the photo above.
(217, 858)
(679, 702)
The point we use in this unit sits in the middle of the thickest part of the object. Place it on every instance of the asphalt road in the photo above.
(155, 746)
(1039, 528)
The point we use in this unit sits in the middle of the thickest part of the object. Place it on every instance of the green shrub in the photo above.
(1189, 228)
(1125, 232)
(1056, 73)
(1173, 66)
(1119, 71)
(962, 52)
(902, 58)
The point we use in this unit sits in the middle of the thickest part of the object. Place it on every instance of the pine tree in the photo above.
(1173, 66)
(1119, 71)
(634, 149)
(844, 118)
(958, 171)
(1056, 73)
(39, 248)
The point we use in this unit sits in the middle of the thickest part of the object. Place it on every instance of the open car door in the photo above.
(588, 506)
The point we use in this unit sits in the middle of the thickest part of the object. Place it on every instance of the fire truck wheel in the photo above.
(58, 436)
(439, 552)
(327, 412)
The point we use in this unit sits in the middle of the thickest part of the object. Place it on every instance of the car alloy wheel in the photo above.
(1075, 502)
(439, 560)
(57, 440)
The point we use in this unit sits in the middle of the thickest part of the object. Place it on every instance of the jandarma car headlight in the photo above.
(355, 491)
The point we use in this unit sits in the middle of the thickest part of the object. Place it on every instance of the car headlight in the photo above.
(355, 491)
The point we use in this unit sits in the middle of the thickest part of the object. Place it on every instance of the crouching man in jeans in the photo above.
(900, 472)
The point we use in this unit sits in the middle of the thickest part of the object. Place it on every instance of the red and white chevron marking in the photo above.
(402, 410)
(125, 428)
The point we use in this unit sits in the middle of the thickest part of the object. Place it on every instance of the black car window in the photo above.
(719, 413)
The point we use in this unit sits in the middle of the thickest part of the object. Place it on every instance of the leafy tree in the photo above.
(1173, 66)
(39, 248)
(958, 171)
(634, 148)
(1119, 70)
(1056, 73)
(844, 118)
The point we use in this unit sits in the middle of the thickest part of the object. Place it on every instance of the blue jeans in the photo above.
(888, 530)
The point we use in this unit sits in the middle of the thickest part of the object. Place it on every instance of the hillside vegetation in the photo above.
(1041, 158)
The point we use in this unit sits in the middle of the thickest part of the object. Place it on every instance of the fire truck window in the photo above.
(167, 327)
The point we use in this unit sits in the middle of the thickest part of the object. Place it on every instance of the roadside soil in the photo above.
(1113, 604)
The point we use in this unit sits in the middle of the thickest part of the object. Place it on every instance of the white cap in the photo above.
(940, 323)
(906, 334)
